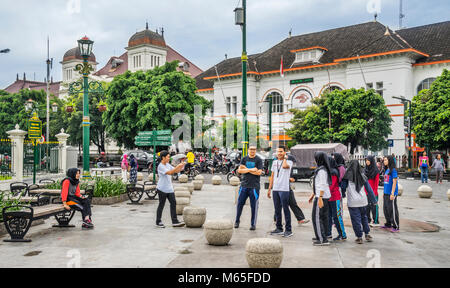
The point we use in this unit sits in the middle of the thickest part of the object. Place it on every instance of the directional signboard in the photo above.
(34, 128)
(158, 133)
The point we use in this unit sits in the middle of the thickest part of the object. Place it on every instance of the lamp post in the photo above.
(269, 101)
(241, 20)
(408, 125)
(83, 85)
(34, 132)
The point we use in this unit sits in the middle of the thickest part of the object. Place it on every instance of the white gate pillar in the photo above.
(17, 137)
(62, 152)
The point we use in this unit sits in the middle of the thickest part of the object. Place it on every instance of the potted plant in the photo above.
(70, 107)
(101, 106)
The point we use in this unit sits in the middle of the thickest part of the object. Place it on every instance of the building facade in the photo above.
(368, 55)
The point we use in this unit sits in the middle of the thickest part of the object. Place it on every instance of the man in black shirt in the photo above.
(251, 168)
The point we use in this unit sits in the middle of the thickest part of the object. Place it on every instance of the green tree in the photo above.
(358, 118)
(431, 114)
(142, 101)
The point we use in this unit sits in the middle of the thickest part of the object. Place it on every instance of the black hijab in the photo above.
(371, 170)
(339, 159)
(72, 176)
(334, 167)
(355, 175)
(133, 161)
(322, 162)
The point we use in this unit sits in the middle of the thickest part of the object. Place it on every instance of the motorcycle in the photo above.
(234, 173)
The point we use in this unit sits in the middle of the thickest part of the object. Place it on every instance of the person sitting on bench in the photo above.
(72, 199)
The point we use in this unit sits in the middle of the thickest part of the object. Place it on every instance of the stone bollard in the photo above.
(182, 192)
(216, 180)
(183, 178)
(448, 194)
(400, 189)
(140, 176)
(236, 196)
(264, 253)
(198, 184)
(425, 191)
(190, 187)
(194, 217)
(201, 178)
(218, 232)
(181, 203)
(234, 181)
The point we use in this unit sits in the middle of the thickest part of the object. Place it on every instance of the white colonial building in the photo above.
(369, 55)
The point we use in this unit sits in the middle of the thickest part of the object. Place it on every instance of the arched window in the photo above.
(277, 102)
(425, 84)
(331, 88)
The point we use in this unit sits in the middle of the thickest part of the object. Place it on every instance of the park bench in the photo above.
(136, 191)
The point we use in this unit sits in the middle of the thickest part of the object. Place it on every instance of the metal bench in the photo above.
(18, 219)
(136, 191)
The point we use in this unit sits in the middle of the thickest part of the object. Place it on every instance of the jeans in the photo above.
(173, 206)
(320, 219)
(360, 223)
(298, 213)
(335, 215)
(281, 200)
(245, 193)
(424, 174)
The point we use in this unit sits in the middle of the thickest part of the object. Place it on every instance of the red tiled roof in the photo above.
(173, 55)
(33, 85)
(109, 71)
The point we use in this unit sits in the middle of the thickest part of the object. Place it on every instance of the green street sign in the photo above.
(158, 132)
(34, 128)
(163, 143)
(302, 81)
(157, 138)
(156, 143)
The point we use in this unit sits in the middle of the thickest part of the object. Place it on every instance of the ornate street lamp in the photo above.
(85, 86)
(29, 105)
(54, 107)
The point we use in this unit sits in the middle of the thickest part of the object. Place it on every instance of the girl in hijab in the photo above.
(373, 175)
(335, 211)
(124, 165)
(390, 207)
(133, 169)
(72, 198)
(340, 165)
(357, 201)
(321, 194)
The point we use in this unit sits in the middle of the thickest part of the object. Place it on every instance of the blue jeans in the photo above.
(424, 174)
(360, 223)
(281, 200)
(245, 193)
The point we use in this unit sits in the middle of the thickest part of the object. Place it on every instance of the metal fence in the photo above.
(46, 159)
(5, 158)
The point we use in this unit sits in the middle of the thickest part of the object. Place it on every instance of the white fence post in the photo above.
(17, 137)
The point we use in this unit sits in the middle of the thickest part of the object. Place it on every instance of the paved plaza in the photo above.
(126, 236)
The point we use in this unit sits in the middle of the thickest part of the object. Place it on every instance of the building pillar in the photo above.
(17, 137)
(62, 153)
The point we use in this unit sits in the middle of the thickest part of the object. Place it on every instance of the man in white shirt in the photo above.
(279, 182)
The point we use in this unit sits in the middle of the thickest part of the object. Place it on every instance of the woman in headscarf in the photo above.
(340, 162)
(321, 194)
(373, 175)
(357, 201)
(72, 198)
(124, 165)
(133, 169)
(335, 212)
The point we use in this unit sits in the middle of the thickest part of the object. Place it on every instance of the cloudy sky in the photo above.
(201, 30)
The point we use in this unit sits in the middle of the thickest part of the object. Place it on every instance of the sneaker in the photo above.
(277, 232)
(359, 241)
(338, 239)
(301, 222)
(288, 234)
(375, 224)
(344, 238)
(385, 227)
(88, 224)
(252, 228)
(394, 230)
(236, 225)
(324, 243)
(369, 238)
(160, 225)
(178, 224)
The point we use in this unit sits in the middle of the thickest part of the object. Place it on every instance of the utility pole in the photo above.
(47, 134)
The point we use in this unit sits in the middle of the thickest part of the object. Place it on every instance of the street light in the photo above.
(241, 20)
(405, 103)
(29, 105)
(85, 46)
(269, 110)
(54, 107)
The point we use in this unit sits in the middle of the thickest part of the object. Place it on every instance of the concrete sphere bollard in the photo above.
(218, 232)
(181, 203)
(140, 176)
(200, 177)
(448, 194)
(182, 193)
(234, 181)
(198, 184)
(425, 191)
(216, 180)
(264, 253)
(183, 178)
(190, 187)
(194, 217)
(400, 189)
(236, 196)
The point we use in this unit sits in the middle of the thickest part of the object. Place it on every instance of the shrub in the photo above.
(103, 187)
(6, 200)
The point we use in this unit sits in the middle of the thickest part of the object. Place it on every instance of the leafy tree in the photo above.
(358, 118)
(431, 114)
(142, 101)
